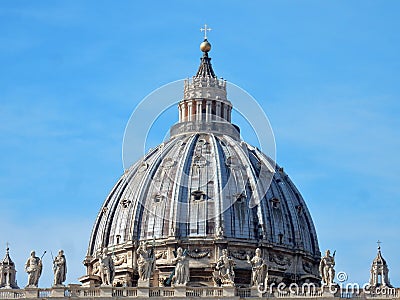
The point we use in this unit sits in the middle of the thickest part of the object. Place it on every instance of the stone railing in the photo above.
(76, 291)
(207, 127)
(12, 294)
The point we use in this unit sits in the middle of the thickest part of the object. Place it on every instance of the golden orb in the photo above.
(205, 46)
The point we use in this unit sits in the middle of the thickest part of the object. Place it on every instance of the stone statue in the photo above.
(181, 273)
(33, 267)
(259, 270)
(326, 268)
(145, 261)
(106, 268)
(60, 268)
(224, 273)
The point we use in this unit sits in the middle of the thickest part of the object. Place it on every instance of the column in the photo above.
(208, 110)
(190, 108)
(184, 117)
(225, 112)
(180, 112)
(218, 111)
(199, 110)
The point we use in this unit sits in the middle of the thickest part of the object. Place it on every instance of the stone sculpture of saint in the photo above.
(326, 268)
(258, 269)
(145, 261)
(106, 268)
(181, 273)
(60, 268)
(33, 267)
(224, 267)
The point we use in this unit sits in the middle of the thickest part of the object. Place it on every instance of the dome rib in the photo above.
(148, 189)
(289, 223)
(266, 213)
(217, 184)
(250, 175)
(183, 192)
(93, 242)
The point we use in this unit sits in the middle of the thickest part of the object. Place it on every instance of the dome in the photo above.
(8, 272)
(192, 186)
(206, 190)
(379, 260)
(379, 271)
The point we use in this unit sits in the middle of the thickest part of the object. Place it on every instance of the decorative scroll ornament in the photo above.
(240, 254)
(280, 260)
(161, 254)
(119, 259)
(96, 268)
(199, 253)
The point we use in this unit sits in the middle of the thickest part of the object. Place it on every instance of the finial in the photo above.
(205, 29)
(8, 247)
(205, 46)
(379, 244)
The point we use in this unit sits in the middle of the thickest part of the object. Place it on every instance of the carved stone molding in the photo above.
(96, 269)
(161, 254)
(240, 254)
(119, 259)
(199, 253)
(280, 260)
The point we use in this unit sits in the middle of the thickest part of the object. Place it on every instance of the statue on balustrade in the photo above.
(326, 268)
(181, 274)
(33, 267)
(107, 271)
(60, 268)
(259, 269)
(224, 273)
(145, 261)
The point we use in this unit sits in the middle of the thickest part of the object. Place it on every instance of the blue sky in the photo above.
(325, 72)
